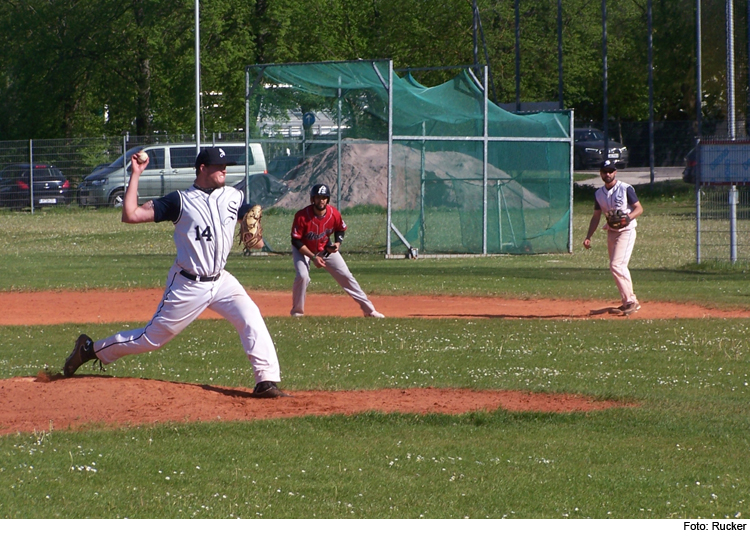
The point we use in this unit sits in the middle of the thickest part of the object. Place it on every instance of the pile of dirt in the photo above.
(364, 177)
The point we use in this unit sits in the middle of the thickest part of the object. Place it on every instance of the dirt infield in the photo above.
(53, 307)
(52, 402)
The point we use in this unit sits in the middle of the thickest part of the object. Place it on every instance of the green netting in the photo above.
(440, 201)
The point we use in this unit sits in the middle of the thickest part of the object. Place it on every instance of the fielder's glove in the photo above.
(251, 232)
(617, 219)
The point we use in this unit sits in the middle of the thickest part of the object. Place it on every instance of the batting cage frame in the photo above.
(456, 174)
(722, 182)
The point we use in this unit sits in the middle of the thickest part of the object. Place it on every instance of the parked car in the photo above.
(265, 189)
(51, 187)
(100, 166)
(170, 167)
(589, 150)
(691, 165)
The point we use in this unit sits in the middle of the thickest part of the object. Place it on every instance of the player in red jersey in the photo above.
(317, 234)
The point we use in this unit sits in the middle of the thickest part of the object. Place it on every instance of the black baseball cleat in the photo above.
(82, 352)
(268, 390)
(630, 307)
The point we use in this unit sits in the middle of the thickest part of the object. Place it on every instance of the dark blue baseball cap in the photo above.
(608, 165)
(320, 190)
(213, 156)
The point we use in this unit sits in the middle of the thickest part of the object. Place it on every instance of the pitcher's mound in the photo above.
(49, 401)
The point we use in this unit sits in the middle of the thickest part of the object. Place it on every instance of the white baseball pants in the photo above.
(183, 301)
(620, 247)
(336, 266)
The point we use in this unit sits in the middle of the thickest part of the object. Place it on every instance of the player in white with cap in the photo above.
(204, 218)
(616, 196)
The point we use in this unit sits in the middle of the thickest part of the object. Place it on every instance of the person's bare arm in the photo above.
(131, 212)
(637, 210)
(593, 225)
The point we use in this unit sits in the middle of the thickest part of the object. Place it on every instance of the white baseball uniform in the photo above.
(204, 224)
(619, 242)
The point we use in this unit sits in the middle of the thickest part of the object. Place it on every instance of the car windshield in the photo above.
(128, 154)
(591, 135)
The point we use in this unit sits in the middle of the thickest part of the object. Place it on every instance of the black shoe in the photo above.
(630, 307)
(82, 352)
(267, 390)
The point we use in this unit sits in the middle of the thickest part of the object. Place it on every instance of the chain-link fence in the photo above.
(60, 165)
(724, 223)
(673, 140)
(722, 172)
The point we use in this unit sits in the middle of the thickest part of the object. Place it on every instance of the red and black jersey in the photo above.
(315, 231)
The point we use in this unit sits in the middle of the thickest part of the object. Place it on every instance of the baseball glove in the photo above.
(617, 219)
(251, 232)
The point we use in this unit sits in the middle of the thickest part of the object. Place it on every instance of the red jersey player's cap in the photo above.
(213, 156)
(320, 190)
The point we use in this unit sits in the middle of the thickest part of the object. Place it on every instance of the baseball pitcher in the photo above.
(204, 218)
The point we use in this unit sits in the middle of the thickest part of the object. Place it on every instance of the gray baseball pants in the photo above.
(336, 266)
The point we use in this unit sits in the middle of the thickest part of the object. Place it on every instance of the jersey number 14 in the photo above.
(206, 233)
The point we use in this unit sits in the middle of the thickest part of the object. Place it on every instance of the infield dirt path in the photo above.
(48, 401)
(54, 307)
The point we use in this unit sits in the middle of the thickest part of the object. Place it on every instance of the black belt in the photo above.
(192, 277)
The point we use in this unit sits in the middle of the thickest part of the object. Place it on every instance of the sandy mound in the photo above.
(364, 177)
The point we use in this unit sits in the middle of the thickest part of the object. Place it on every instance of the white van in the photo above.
(170, 167)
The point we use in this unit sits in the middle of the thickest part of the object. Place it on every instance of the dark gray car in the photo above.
(51, 187)
(589, 150)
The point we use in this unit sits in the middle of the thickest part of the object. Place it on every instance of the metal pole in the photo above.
(697, 211)
(338, 150)
(699, 130)
(559, 56)
(475, 14)
(125, 160)
(730, 69)
(698, 75)
(499, 218)
(650, 91)
(390, 156)
(605, 114)
(518, 58)
(422, 188)
(485, 151)
(197, 79)
(733, 199)
(247, 135)
(31, 173)
(571, 133)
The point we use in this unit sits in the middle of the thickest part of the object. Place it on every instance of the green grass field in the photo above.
(683, 452)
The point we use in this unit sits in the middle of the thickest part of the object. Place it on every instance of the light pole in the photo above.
(649, 16)
(561, 104)
(730, 70)
(197, 79)
(605, 114)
